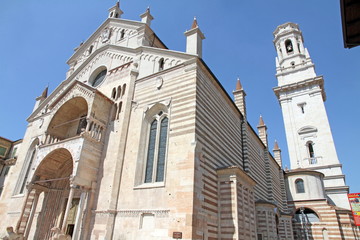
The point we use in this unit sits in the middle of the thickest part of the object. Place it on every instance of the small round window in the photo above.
(99, 78)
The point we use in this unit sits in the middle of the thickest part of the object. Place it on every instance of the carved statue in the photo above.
(59, 235)
(12, 235)
(105, 35)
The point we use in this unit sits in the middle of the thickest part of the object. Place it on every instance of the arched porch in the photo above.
(52, 194)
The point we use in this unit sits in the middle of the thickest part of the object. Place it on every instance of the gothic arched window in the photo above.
(156, 148)
(289, 46)
(299, 184)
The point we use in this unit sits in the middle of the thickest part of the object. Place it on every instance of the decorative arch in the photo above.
(55, 165)
(307, 130)
(154, 109)
(306, 214)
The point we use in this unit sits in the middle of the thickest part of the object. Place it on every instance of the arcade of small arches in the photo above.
(117, 95)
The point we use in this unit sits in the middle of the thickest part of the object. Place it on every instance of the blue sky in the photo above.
(38, 36)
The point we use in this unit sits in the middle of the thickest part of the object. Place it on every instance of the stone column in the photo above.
(78, 220)
(68, 205)
(62, 205)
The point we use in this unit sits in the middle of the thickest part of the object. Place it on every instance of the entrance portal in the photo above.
(52, 178)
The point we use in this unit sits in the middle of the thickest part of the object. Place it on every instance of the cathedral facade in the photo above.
(143, 142)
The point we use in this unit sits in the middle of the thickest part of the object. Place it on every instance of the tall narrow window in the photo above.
(123, 90)
(151, 152)
(299, 184)
(122, 34)
(113, 94)
(161, 64)
(118, 92)
(162, 150)
(156, 150)
(310, 147)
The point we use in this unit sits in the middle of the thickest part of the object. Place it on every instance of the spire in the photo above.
(194, 24)
(261, 122)
(262, 131)
(238, 85)
(115, 11)
(146, 17)
(194, 38)
(277, 154)
(276, 146)
(239, 97)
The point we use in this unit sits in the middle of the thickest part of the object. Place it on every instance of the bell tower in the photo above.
(301, 95)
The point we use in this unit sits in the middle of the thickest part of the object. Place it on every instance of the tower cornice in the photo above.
(319, 81)
(286, 29)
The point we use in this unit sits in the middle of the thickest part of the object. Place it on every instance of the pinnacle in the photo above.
(238, 85)
(261, 121)
(45, 92)
(276, 146)
(195, 24)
